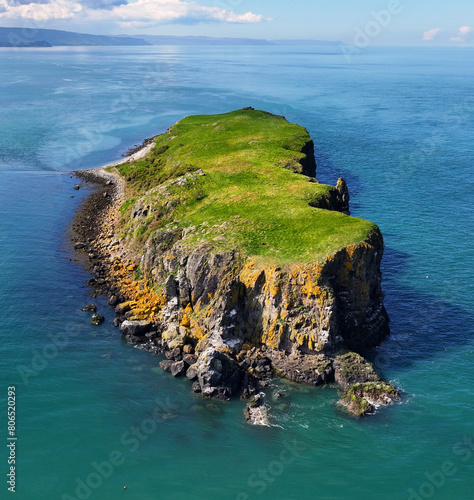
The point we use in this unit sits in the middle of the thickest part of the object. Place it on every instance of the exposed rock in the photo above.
(362, 399)
(192, 372)
(97, 319)
(178, 368)
(343, 196)
(309, 369)
(166, 365)
(351, 369)
(123, 308)
(135, 328)
(190, 359)
(113, 301)
(363, 389)
(257, 412)
(219, 375)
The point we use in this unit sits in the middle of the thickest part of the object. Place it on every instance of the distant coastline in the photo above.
(19, 37)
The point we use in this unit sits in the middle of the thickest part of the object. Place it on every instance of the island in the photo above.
(218, 247)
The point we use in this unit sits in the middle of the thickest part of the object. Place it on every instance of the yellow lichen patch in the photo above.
(272, 336)
(249, 274)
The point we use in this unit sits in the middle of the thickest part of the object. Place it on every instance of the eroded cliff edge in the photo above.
(226, 253)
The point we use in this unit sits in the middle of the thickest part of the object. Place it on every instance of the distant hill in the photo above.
(19, 37)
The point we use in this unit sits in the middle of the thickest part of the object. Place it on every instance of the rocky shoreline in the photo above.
(229, 363)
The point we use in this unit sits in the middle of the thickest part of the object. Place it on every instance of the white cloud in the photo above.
(464, 34)
(139, 13)
(431, 34)
(59, 9)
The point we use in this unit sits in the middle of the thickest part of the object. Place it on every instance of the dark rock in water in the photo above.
(89, 308)
(351, 368)
(196, 387)
(166, 365)
(256, 411)
(76, 187)
(117, 322)
(97, 319)
(363, 389)
(79, 246)
(113, 301)
(178, 368)
(136, 328)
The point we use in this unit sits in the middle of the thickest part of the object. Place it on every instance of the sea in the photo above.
(96, 418)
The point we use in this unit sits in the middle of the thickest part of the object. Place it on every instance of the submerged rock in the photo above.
(89, 308)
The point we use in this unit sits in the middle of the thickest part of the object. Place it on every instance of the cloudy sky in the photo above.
(398, 22)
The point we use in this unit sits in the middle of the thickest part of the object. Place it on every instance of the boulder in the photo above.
(178, 368)
(136, 328)
(113, 301)
(166, 365)
(97, 319)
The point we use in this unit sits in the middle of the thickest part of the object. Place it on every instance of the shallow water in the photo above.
(396, 123)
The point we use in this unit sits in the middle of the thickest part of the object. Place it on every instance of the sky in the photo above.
(356, 22)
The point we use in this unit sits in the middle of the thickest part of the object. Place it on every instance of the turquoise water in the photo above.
(95, 415)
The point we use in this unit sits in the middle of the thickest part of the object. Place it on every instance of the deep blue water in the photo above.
(396, 123)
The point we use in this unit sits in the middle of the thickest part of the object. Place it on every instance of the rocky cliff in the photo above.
(229, 314)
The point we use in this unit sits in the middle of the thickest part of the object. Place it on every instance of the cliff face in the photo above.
(228, 317)
(313, 308)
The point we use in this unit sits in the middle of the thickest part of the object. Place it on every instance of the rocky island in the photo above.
(218, 247)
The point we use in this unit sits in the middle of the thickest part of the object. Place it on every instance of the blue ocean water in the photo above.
(95, 415)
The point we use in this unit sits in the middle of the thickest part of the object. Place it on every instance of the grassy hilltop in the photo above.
(250, 197)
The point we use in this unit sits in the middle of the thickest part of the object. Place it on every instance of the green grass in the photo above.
(250, 197)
